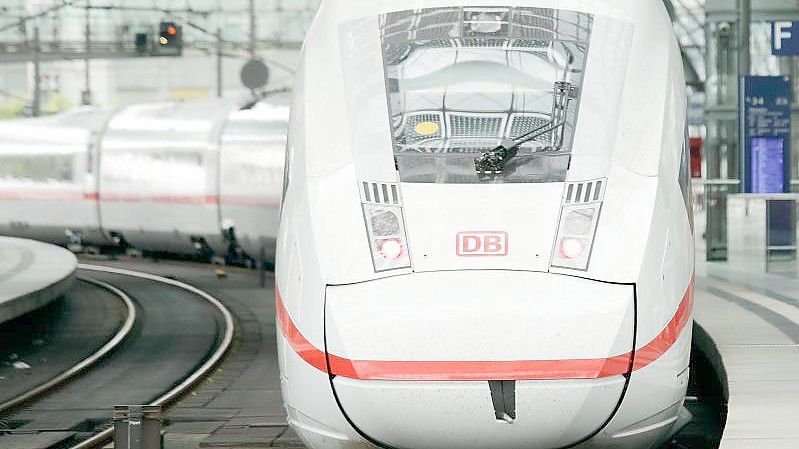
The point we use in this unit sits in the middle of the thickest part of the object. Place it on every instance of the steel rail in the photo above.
(115, 341)
(177, 391)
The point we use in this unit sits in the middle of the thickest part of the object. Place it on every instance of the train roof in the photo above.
(173, 117)
(66, 132)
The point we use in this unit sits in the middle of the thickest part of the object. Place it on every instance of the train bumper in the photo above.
(443, 359)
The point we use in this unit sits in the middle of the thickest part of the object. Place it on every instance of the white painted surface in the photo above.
(31, 275)
(480, 316)
(446, 415)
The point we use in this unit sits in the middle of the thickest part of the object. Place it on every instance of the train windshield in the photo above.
(484, 95)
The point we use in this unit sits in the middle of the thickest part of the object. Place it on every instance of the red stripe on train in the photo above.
(486, 370)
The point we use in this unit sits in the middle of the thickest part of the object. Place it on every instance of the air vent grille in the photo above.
(463, 125)
(585, 192)
(380, 193)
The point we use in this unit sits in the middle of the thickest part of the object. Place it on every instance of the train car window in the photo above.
(38, 168)
(484, 94)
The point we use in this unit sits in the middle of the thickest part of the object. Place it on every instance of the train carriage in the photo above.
(48, 177)
(159, 183)
(252, 148)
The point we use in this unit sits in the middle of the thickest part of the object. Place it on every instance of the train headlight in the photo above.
(578, 222)
(390, 249)
(386, 232)
(572, 248)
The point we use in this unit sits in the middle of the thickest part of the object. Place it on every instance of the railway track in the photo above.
(172, 336)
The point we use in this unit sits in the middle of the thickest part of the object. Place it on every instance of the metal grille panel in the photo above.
(523, 123)
(475, 125)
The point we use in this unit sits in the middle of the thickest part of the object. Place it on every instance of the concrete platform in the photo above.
(32, 274)
(752, 319)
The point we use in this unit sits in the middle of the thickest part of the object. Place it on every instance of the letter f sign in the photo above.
(783, 33)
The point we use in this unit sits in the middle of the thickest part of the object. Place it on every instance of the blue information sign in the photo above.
(785, 38)
(766, 134)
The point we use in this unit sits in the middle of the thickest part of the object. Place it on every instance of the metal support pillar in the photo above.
(219, 62)
(252, 29)
(745, 36)
(86, 98)
(744, 70)
(36, 107)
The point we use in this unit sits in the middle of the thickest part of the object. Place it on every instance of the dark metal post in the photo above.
(137, 427)
(744, 70)
(36, 107)
(745, 33)
(252, 29)
(87, 93)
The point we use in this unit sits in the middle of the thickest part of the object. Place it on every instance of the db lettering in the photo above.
(482, 244)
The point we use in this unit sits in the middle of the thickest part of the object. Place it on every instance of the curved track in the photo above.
(84, 319)
(215, 357)
(179, 335)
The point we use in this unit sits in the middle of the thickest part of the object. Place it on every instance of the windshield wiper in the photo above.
(492, 162)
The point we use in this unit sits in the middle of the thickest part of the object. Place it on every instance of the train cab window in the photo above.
(484, 94)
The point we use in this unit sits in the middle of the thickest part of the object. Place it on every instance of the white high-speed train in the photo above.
(485, 240)
(169, 177)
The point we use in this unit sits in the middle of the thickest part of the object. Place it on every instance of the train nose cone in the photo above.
(442, 360)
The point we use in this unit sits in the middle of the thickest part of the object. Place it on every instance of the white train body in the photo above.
(169, 177)
(252, 148)
(432, 294)
(48, 176)
(159, 176)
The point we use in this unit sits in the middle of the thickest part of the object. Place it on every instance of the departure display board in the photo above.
(766, 134)
(768, 165)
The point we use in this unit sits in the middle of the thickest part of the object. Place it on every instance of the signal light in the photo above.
(170, 40)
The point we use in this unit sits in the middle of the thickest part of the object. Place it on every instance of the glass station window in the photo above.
(484, 94)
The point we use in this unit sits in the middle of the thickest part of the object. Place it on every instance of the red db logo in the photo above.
(481, 243)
